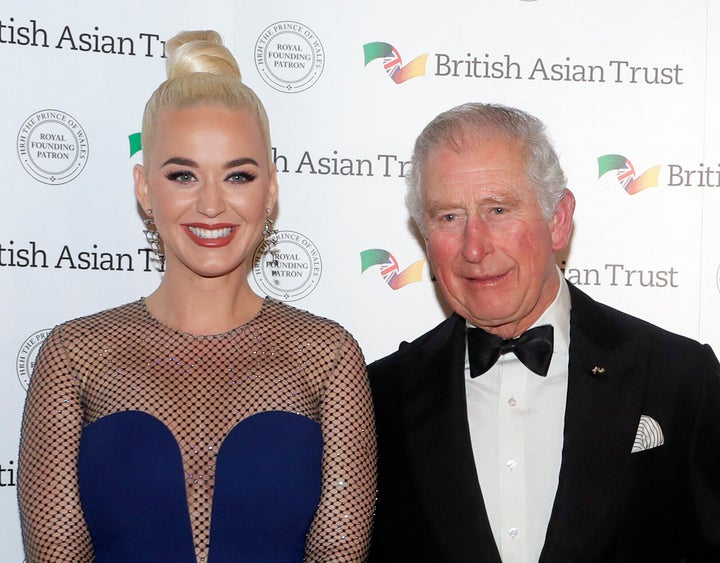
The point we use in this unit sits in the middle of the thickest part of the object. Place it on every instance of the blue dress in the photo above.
(267, 487)
(254, 445)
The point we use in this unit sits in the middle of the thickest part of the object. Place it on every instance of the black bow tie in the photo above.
(533, 348)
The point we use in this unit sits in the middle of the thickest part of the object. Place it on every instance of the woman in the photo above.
(202, 423)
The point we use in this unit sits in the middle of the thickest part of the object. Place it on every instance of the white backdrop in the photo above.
(639, 80)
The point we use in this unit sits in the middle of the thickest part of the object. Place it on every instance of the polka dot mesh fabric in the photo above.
(200, 387)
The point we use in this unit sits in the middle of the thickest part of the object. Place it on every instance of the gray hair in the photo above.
(469, 123)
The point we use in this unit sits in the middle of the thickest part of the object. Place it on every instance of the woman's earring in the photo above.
(152, 236)
(269, 233)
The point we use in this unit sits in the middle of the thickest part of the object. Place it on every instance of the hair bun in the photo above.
(199, 51)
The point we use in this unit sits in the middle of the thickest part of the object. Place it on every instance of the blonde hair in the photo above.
(200, 70)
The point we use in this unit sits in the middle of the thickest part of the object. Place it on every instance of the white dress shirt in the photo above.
(516, 420)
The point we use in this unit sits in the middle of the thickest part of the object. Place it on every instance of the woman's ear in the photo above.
(272, 189)
(141, 187)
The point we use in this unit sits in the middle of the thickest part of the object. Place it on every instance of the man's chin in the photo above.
(486, 316)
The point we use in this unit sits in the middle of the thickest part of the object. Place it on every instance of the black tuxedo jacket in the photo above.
(658, 505)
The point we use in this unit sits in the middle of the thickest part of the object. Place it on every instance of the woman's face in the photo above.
(208, 182)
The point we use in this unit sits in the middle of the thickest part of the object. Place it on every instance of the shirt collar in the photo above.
(557, 315)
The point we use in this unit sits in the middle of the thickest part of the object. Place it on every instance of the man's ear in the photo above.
(561, 221)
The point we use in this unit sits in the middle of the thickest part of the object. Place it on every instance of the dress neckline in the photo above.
(190, 336)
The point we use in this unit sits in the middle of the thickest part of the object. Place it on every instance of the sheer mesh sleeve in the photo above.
(341, 528)
(53, 526)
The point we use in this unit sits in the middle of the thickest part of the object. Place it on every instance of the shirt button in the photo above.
(511, 464)
(512, 402)
(513, 532)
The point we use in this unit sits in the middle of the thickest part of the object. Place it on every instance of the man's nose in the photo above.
(477, 239)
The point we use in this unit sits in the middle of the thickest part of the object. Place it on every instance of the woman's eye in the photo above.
(241, 177)
(182, 176)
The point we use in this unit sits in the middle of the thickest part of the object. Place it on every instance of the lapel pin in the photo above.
(597, 370)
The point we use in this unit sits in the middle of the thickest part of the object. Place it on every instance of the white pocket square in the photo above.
(649, 435)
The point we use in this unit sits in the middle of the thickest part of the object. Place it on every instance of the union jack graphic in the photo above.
(626, 175)
(392, 61)
(390, 269)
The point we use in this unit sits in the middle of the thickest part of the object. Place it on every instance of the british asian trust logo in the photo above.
(52, 147)
(289, 56)
(675, 175)
(390, 269)
(288, 267)
(393, 63)
(626, 175)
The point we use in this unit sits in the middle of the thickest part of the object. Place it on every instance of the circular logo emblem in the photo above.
(289, 56)
(27, 355)
(291, 270)
(52, 147)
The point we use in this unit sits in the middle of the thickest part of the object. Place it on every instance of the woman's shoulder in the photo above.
(293, 318)
(312, 337)
(112, 319)
(290, 322)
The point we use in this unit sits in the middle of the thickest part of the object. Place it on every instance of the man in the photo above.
(596, 440)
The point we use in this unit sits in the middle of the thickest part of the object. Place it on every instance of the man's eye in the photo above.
(449, 217)
(498, 210)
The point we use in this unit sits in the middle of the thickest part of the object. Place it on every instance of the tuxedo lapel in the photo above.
(435, 416)
(606, 384)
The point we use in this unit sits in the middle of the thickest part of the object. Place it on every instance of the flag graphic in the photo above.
(135, 143)
(626, 175)
(625, 172)
(392, 61)
(390, 269)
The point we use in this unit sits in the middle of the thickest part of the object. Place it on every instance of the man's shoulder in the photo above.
(611, 324)
(418, 350)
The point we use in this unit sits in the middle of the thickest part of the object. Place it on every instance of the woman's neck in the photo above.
(206, 306)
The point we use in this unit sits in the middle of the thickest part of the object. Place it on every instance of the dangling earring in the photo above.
(152, 236)
(269, 233)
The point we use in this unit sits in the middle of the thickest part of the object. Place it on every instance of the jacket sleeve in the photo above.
(703, 524)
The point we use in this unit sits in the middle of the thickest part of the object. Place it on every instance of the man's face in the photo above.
(490, 247)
